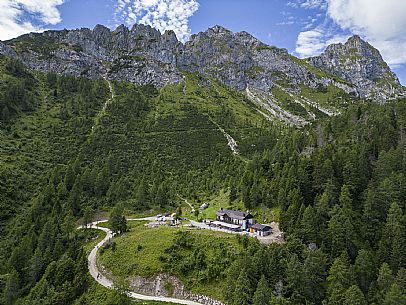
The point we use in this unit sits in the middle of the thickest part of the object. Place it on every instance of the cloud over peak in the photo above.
(313, 42)
(382, 23)
(161, 14)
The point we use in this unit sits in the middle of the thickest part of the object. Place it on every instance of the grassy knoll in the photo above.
(96, 293)
(266, 215)
(197, 257)
(138, 252)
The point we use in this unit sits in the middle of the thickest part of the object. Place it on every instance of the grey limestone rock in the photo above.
(142, 55)
(361, 64)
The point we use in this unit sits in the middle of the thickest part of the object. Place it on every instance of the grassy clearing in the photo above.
(138, 252)
(142, 252)
(221, 200)
(288, 102)
(104, 224)
(98, 294)
(266, 215)
(331, 96)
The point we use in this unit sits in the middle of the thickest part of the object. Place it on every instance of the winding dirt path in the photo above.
(188, 203)
(102, 112)
(102, 280)
(231, 142)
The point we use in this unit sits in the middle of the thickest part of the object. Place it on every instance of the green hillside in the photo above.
(62, 153)
(68, 150)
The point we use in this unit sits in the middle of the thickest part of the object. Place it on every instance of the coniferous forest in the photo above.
(66, 154)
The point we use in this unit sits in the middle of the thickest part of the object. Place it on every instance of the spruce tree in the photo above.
(394, 296)
(117, 220)
(243, 292)
(87, 216)
(338, 280)
(365, 269)
(384, 281)
(5, 114)
(314, 275)
(11, 288)
(392, 241)
(309, 230)
(354, 296)
(262, 294)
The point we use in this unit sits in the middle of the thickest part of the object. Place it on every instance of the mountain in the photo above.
(283, 87)
(359, 63)
(134, 122)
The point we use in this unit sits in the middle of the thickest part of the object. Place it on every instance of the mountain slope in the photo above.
(65, 122)
(67, 145)
(283, 87)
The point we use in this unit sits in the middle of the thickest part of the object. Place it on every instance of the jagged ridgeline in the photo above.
(283, 87)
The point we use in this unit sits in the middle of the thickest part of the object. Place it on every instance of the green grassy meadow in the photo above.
(144, 252)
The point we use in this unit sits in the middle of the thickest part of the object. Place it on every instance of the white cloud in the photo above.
(309, 43)
(393, 51)
(313, 42)
(381, 22)
(283, 23)
(13, 13)
(312, 4)
(377, 18)
(308, 4)
(161, 14)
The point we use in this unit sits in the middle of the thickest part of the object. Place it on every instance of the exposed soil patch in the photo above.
(167, 286)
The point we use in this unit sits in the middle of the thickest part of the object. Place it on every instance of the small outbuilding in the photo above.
(260, 230)
(204, 206)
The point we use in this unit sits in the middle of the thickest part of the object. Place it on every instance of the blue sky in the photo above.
(304, 27)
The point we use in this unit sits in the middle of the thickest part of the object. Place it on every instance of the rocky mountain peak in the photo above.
(355, 39)
(145, 31)
(218, 29)
(143, 55)
(248, 40)
(121, 30)
(100, 29)
(357, 46)
(170, 36)
(101, 34)
(359, 63)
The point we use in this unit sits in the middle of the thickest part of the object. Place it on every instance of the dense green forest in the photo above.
(67, 151)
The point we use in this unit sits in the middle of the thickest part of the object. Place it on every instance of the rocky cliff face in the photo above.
(240, 60)
(142, 55)
(362, 65)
